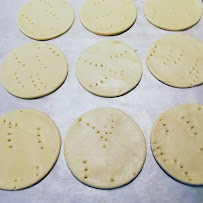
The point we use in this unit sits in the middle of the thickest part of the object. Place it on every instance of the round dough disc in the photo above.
(108, 17)
(173, 14)
(29, 147)
(34, 70)
(109, 68)
(105, 148)
(176, 60)
(45, 19)
(177, 143)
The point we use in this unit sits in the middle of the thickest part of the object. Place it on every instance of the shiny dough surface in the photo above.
(29, 147)
(45, 19)
(177, 143)
(33, 70)
(173, 14)
(177, 60)
(105, 148)
(109, 68)
(108, 17)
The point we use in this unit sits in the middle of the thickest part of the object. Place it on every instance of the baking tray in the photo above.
(144, 104)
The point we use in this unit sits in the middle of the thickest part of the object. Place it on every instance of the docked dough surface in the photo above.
(105, 148)
(173, 14)
(177, 60)
(177, 143)
(108, 17)
(109, 68)
(29, 147)
(33, 70)
(45, 19)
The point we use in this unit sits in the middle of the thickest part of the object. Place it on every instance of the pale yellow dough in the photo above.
(177, 143)
(108, 17)
(177, 60)
(29, 147)
(173, 14)
(45, 19)
(109, 68)
(34, 70)
(105, 148)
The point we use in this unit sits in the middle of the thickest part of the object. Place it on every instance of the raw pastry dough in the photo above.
(45, 19)
(34, 70)
(108, 17)
(173, 14)
(109, 68)
(29, 147)
(177, 60)
(105, 148)
(177, 143)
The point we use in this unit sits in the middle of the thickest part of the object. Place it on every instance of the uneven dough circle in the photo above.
(173, 14)
(109, 68)
(45, 19)
(176, 60)
(177, 143)
(108, 17)
(34, 70)
(105, 148)
(29, 147)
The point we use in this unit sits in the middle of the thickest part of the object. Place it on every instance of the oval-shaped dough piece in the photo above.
(29, 147)
(176, 60)
(109, 68)
(105, 148)
(34, 70)
(173, 14)
(45, 19)
(177, 143)
(108, 17)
